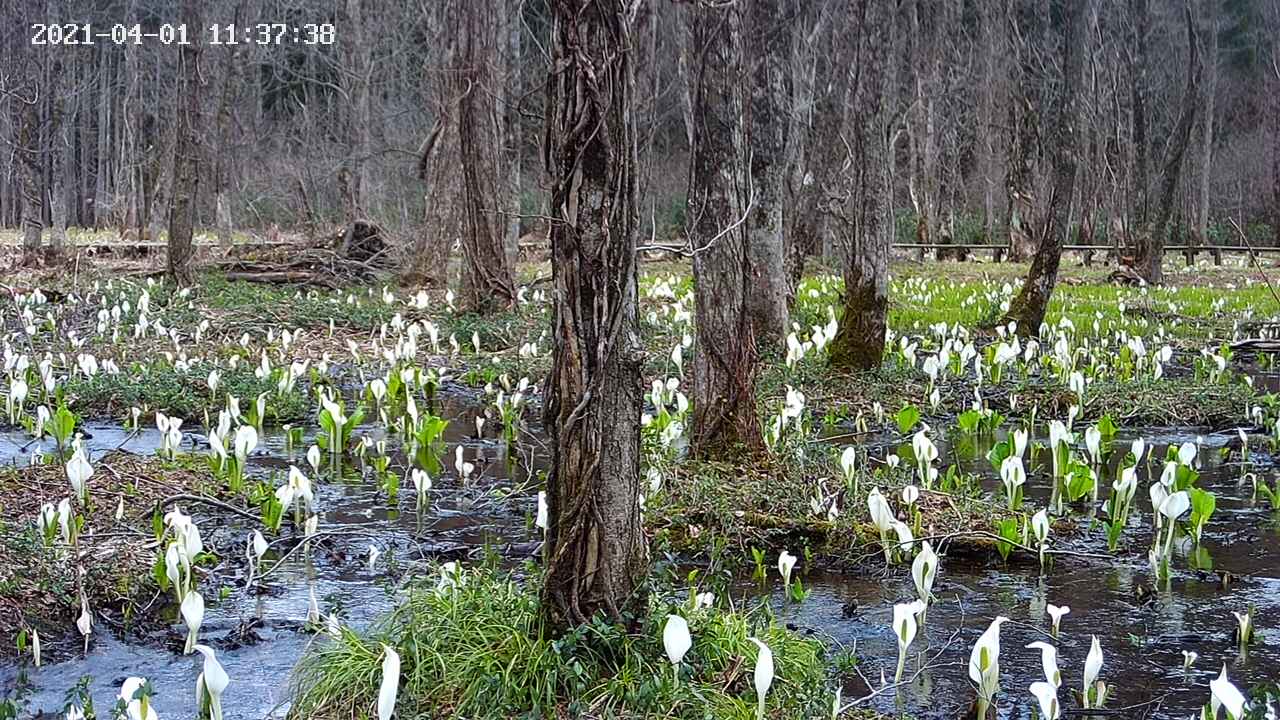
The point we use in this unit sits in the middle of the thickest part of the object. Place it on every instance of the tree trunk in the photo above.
(353, 176)
(1140, 18)
(224, 155)
(724, 375)
(1150, 257)
(428, 256)
(1023, 136)
(1275, 135)
(596, 554)
(769, 113)
(487, 282)
(29, 171)
(186, 157)
(858, 197)
(1028, 308)
(1206, 140)
(802, 224)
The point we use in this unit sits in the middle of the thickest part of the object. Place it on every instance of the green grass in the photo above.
(181, 393)
(479, 652)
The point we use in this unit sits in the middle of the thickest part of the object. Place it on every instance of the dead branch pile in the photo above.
(357, 254)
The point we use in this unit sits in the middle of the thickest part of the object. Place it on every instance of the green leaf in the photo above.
(907, 418)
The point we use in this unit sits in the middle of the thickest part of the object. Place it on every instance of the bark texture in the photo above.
(186, 156)
(487, 283)
(724, 373)
(768, 26)
(857, 203)
(1028, 308)
(596, 556)
(1150, 256)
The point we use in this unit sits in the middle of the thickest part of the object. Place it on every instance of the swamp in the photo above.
(640, 360)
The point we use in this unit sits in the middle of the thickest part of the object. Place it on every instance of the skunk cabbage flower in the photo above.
(84, 623)
(1048, 662)
(1047, 696)
(390, 686)
(786, 561)
(1094, 692)
(1055, 615)
(214, 679)
(676, 639)
(763, 676)
(923, 571)
(542, 519)
(904, 629)
(984, 665)
(192, 609)
(78, 472)
(1188, 659)
(253, 552)
(1226, 695)
(136, 708)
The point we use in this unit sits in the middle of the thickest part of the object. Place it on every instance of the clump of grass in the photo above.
(479, 651)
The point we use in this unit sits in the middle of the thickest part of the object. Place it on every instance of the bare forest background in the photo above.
(427, 119)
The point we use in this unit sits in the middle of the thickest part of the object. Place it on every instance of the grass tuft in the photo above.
(479, 651)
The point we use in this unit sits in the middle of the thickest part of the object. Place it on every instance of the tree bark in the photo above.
(1028, 308)
(487, 282)
(857, 202)
(596, 554)
(29, 179)
(767, 136)
(428, 257)
(1206, 138)
(186, 157)
(1140, 19)
(1150, 256)
(724, 374)
(353, 176)
(803, 222)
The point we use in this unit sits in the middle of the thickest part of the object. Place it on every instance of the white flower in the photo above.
(676, 639)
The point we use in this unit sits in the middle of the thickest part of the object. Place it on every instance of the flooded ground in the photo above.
(259, 634)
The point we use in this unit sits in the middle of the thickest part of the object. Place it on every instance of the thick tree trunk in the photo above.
(428, 256)
(1150, 257)
(767, 135)
(1028, 308)
(724, 375)
(487, 282)
(596, 554)
(186, 157)
(859, 343)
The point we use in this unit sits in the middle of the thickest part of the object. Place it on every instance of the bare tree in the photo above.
(186, 155)
(596, 556)
(487, 282)
(1028, 308)
(856, 199)
(768, 111)
(1149, 261)
(721, 198)
(1201, 235)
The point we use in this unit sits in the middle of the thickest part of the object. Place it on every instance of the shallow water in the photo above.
(353, 516)
(1141, 641)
